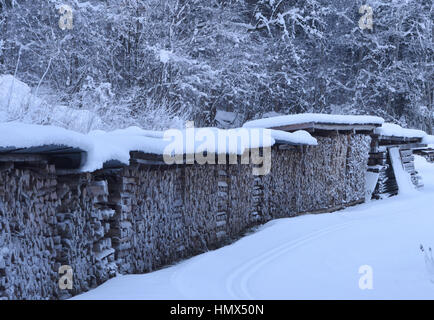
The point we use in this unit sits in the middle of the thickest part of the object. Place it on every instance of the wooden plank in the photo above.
(6, 166)
(378, 155)
(409, 167)
(287, 147)
(22, 157)
(403, 146)
(69, 160)
(345, 127)
(313, 126)
(406, 153)
(295, 127)
(428, 151)
(407, 159)
(397, 140)
(146, 156)
(147, 162)
(373, 162)
(66, 172)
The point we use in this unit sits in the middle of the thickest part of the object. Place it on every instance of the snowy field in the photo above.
(308, 257)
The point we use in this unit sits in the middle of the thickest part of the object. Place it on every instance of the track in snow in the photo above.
(237, 282)
(311, 256)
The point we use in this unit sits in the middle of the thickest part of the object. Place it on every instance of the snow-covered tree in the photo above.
(156, 62)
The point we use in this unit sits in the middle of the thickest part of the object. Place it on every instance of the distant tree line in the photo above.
(147, 61)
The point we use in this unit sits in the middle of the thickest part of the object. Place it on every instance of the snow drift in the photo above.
(394, 130)
(312, 117)
(18, 103)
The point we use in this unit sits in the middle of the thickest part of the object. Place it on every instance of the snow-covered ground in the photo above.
(308, 257)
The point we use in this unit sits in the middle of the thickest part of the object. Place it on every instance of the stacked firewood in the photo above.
(144, 216)
(316, 179)
(222, 204)
(202, 206)
(427, 153)
(407, 159)
(46, 222)
(149, 228)
(164, 213)
(245, 208)
(28, 242)
(356, 167)
(386, 185)
(379, 162)
(83, 225)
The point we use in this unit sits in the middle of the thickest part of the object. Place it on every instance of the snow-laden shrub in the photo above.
(122, 114)
(93, 108)
(18, 103)
(15, 97)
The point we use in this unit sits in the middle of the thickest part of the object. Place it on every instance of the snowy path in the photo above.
(307, 257)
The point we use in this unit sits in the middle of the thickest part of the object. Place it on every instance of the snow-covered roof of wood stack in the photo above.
(316, 121)
(102, 147)
(390, 131)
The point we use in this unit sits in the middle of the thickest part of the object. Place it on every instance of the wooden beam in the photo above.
(146, 156)
(287, 147)
(295, 127)
(345, 127)
(314, 126)
(396, 140)
(22, 157)
(147, 162)
(403, 146)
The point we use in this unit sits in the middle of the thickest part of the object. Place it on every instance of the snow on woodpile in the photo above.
(297, 137)
(235, 141)
(22, 135)
(313, 118)
(102, 147)
(394, 130)
(116, 145)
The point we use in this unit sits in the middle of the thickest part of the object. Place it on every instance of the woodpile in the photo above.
(28, 237)
(47, 221)
(165, 213)
(427, 153)
(244, 208)
(223, 203)
(147, 215)
(317, 179)
(380, 163)
(148, 228)
(407, 159)
(83, 224)
(386, 185)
